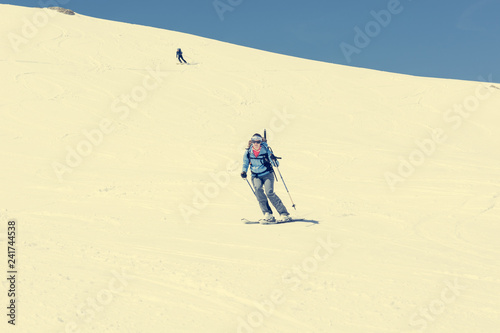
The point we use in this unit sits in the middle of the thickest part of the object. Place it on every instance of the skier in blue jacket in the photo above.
(260, 159)
(180, 57)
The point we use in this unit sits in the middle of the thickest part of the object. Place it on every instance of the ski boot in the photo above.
(285, 217)
(268, 219)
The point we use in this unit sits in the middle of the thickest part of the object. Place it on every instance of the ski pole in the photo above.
(293, 205)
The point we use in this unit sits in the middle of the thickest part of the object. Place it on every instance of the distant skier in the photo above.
(180, 57)
(259, 157)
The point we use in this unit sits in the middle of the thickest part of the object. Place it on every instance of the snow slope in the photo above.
(121, 169)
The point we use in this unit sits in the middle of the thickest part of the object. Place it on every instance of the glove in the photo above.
(244, 174)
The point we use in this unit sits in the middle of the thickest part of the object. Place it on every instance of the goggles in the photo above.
(256, 139)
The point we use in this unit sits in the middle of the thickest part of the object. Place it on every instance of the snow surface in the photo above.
(122, 168)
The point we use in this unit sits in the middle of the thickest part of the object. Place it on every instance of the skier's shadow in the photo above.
(301, 220)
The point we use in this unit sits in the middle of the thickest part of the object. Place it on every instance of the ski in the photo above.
(247, 221)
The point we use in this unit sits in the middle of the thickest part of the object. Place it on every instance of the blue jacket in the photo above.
(258, 165)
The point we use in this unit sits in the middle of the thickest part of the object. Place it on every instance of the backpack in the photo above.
(264, 160)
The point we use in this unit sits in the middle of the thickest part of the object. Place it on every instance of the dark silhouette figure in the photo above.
(180, 57)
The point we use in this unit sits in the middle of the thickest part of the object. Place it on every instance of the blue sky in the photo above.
(457, 39)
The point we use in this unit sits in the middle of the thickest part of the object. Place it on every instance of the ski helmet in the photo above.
(256, 137)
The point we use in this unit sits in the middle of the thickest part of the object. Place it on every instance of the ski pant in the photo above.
(181, 59)
(267, 181)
